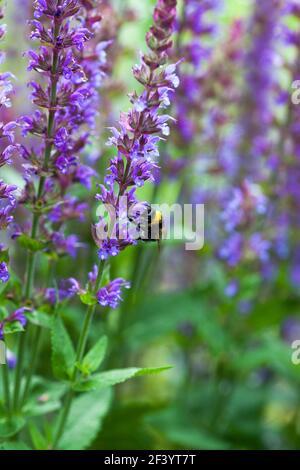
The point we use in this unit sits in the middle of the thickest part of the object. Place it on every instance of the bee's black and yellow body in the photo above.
(151, 225)
(154, 226)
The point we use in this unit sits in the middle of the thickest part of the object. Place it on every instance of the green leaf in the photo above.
(85, 420)
(4, 256)
(40, 318)
(14, 327)
(44, 397)
(87, 298)
(11, 427)
(3, 313)
(30, 243)
(63, 354)
(94, 357)
(37, 438)
(14, 446)
(114, 377)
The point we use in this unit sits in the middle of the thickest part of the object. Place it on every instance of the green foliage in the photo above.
(38, 440)
(10, 427)
(30, 244)
(63, 354)
(40, 318)
(93, 359)
(13, 327)
(4, 256)
(85, 419)
(87, 298)
(17, 445)
(45, 397)
(114, 377)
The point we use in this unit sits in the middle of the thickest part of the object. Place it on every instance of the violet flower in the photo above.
(4, 274)
(110, 295)
(7, 198)
(259, 63)
(247, 209)
(67, 289)
(6, 87)
(16, 316)
(66, 97)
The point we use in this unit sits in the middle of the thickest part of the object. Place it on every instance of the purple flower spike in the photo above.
(110, 296)
(139, 132)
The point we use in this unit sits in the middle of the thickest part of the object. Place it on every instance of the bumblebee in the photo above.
(150, 225)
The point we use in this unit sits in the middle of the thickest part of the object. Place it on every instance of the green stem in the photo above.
(79, 355)
(5, 378)
(36, 344)
(20, 354)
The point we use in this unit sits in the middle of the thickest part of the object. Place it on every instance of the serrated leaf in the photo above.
(94, 357)
(63, 354)
(30, 243)
(85, 420)
(114, 377)
(40, 318)
(87, 298)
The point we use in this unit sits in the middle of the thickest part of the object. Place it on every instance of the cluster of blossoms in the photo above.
(207, 97)
(136, 141)
(68, 105)
(241, 209)
(195, 36)
(286, 188)
(110, 296)
(260, 60)
(246, 208)
(17, 316)
(196, 52)
(7, 148)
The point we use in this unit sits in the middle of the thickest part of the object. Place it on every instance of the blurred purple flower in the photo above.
(4, 274)
(110, 295)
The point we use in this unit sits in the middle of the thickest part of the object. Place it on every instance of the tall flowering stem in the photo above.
(7, 199)
(63, 93)
(136, 142)
(60, 39)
